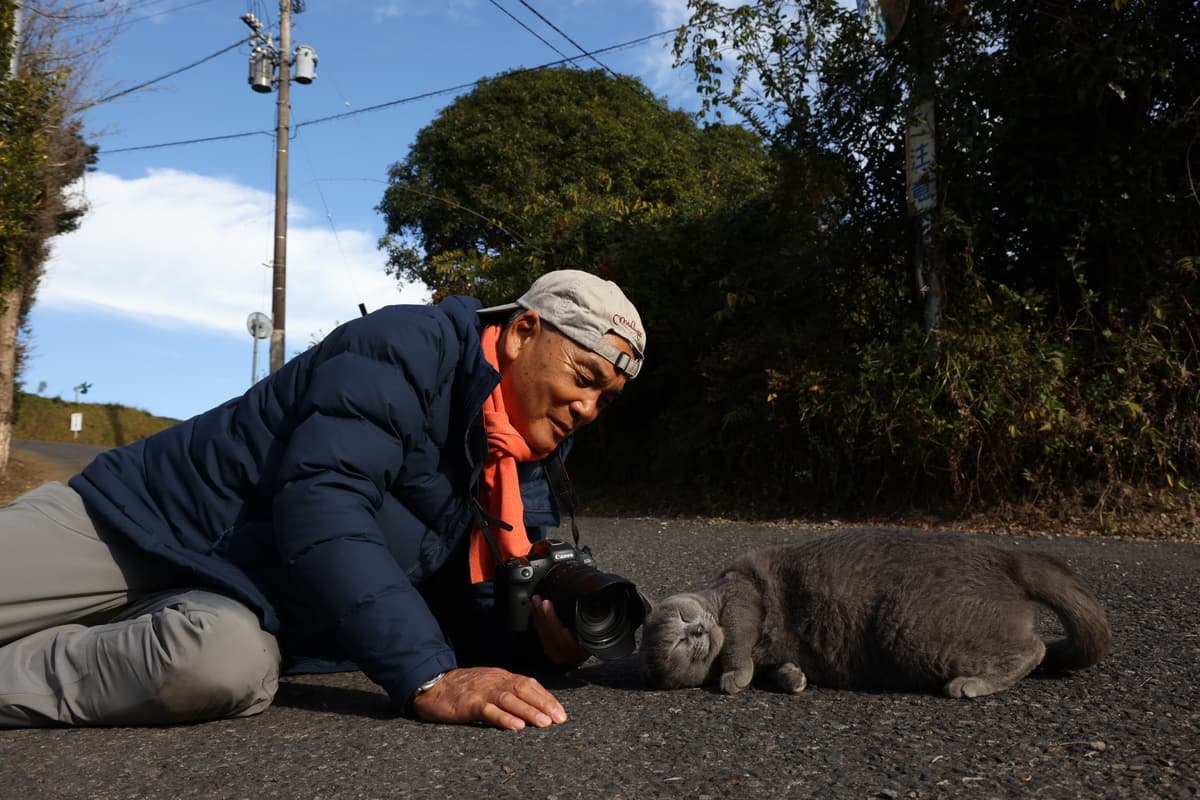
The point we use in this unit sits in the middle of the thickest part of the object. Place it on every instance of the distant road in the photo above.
(64, 456)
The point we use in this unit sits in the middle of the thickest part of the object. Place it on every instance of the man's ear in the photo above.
(519, 333)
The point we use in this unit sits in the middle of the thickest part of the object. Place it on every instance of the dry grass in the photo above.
(47, 419)
(26, 471)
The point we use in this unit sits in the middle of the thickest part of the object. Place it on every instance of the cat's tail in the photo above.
(1051, 582)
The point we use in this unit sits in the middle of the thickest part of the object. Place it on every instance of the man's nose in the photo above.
(585, 409)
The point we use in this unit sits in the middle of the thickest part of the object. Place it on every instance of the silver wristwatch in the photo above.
(426, 686)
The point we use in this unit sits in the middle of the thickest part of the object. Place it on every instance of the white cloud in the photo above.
(179, 249)
(670, 13)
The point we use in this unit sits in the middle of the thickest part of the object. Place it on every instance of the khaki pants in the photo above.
(94, 632)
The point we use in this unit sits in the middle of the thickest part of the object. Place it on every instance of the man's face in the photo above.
(552, 386)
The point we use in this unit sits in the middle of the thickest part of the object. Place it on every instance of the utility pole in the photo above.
(273, 65)
(282, 130)
(888, 19)
(921, 157)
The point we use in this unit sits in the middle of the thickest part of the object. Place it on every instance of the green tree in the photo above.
(1062, 128)
(1067, 135)
(541, 169)
(42, 152)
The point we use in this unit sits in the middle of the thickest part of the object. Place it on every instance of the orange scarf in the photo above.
(500, 493)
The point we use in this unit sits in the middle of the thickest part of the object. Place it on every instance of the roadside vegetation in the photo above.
(27, 471)
(1038, 367)
(1033, 364)
(47, 49)
(48, 419)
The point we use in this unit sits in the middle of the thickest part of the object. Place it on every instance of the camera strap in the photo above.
(483, 520)
(564, 490)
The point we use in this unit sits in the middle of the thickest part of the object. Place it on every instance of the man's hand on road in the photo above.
(487, 694)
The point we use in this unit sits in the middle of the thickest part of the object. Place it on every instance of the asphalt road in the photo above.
(1129, 727)
(64, 456)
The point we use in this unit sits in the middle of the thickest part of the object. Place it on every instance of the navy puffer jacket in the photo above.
(325, 495)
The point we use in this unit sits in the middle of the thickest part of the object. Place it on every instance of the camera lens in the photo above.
(595, 613)
(601, 609)
(601, 618)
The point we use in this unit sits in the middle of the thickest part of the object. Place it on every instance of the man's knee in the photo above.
(217, 660)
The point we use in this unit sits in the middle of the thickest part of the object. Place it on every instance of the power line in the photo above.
(134, 5)
(388, 104)
(381, 106)
(147, 6)
(159, 13)
(121, 22)
(509, 14)
(693, 134)
(561, 33)
(189, 141)
(170, 74)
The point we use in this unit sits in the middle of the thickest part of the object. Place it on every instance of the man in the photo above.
(328, 512)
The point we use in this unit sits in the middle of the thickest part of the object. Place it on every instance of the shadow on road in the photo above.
(313, 693)
(620, 673)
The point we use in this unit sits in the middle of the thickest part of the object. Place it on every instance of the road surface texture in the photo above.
(64, 457)
(1128, 728)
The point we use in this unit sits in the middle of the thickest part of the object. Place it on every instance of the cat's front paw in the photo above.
(790, 678)
(735, 681)
(968, 687)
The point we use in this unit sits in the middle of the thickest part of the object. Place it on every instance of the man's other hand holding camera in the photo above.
(558, 643)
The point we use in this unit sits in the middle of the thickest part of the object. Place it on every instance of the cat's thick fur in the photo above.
(875, 609)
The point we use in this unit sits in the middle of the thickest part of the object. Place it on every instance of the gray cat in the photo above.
(875, 609)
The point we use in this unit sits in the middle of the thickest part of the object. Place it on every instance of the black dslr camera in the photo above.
(602, 610)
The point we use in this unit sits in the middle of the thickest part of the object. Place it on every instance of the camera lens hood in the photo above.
(603, 610)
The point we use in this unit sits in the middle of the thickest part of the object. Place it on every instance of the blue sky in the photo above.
(147, 301)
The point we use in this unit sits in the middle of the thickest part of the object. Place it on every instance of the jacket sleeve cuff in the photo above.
(401, 692)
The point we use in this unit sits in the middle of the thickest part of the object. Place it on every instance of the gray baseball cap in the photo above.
(584, 307)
